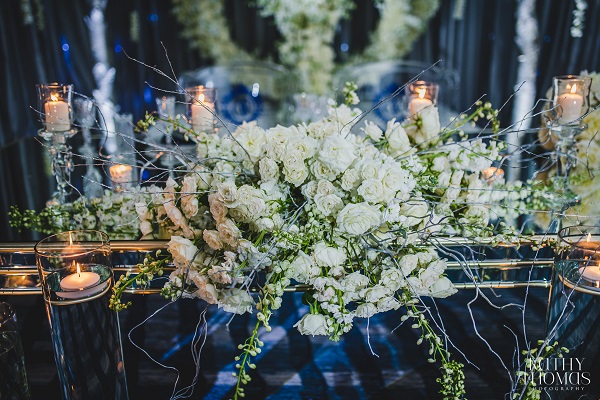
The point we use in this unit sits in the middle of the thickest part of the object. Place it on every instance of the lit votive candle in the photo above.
(120, 173)
(491, 173)
(57, 115)
(418, 103)
(571, 104)
(80, 284)
(202, 114)
(591, 273)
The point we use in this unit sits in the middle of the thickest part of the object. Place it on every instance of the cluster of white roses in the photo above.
(348, 214)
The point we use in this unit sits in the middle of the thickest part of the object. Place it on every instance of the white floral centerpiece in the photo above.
(353, 217)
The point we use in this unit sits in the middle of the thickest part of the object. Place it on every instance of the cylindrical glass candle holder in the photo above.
(165, 106)
(201, 107)
(13, 378)
(579, 256)
(570, 97)
(76, 277)
(55, 106)
(421, 94)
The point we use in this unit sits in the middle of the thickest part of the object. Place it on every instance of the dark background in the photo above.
(480, 47)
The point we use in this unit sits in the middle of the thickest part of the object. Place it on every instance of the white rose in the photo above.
(312, 324)
(301, 147)
(430, 275)
(323, 171)
(175, 214)
(350, 179)
(182, 250)
(372, 131)
(229, 232)
(268, 169)
(354, 282)
(325, 187)
(327, 204)
(369, 169)
(236, 301)
(387, 304)
(394, 177)
(302, 268)
(408, 263)
(295, 174)
(326, 256)
(415, 210)
(142, 211)
(397, 137)
(374, 293)
(430, 118)
(146, 227)
(189, 205)
(309, 190)
(357, 219)
(392, 279)
(371, 190)
(366, 310)
(217, 207)
(442, 288)
(337, 153)
(208, 293)
(228, 193)
(212, 239)
(440, 164)
(325, 295)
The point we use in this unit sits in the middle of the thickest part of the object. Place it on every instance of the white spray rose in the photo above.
(327, 256)
(142, 211)
(337, 153)
(268, 169)
(442, 288)
(229, 232)
(415, 211)
(397, 137)
(312, 324)
(357, 219)
(350, 179)
(328, 204)
(371, 190)
(212, 239)
(366, 310)
(372, 131)
(145, 227)
(236, 301)
(182, 250)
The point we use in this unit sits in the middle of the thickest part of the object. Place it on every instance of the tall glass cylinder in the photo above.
(201, 107)
(76, 278)
(13, 378)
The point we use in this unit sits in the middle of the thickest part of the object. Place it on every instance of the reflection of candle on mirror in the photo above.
(80, 284)
(571, 104)
(57, 114)
(72, 249)
(417, 104)
(202, 114)
(491, 173)
(591, 271)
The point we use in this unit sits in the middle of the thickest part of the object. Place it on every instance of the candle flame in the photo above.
(78, 270)
(54, 97)
(588, 237)
(574, 88)
(164, 102)
(201, 97)
(70, 239)
(422, 92)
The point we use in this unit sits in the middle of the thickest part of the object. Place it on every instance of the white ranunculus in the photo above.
(372, 131)
(228, 193)
(337, 153)
(236, 301)
(145, 227)
(442, 288)
(327, 256)
(182, 250)
(312, 324)
(366, 310)
(212, 239)
(268, 169)
(325, 187)
(328, 204)
(359, 218)
(371, 190)
(415, 211)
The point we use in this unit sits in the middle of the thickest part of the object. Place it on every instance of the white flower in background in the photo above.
(145, 227)
(372, 131)
(357, 219)
(236, 301)
(366, 310)
(182, 250)
(327, 256)
(312, 324)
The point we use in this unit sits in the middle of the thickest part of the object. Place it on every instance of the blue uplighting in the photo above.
(118, 48)
(65, 47)
(148, 95)
(153, 17)
(547, 38)
(344, 47)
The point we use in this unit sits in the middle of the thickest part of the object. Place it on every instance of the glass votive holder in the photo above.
(74, 266)
(570, 97)
(13, 376)
(55, 106)
(201, 107)
(421, 94)
(579, 256)
(165, 106)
